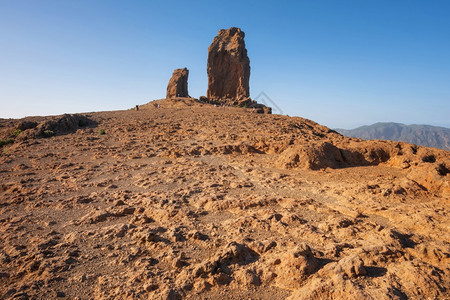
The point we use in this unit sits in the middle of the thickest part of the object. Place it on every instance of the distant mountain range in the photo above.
(424, 135)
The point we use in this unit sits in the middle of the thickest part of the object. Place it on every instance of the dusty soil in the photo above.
(184, 200)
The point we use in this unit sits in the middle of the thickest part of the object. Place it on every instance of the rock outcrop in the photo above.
(57, 125)
(178, 84)
(228, 66)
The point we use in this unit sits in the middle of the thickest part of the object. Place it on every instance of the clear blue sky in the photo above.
(340, 63)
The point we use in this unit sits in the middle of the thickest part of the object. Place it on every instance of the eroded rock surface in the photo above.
(228, 66)
(187, 200)
(178, 84)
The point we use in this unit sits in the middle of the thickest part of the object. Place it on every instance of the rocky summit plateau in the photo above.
(182, 198)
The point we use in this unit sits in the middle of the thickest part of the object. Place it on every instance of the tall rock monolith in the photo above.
(178, 84)
(228, 66)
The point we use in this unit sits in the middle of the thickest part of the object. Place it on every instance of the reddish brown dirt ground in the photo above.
(194, 201)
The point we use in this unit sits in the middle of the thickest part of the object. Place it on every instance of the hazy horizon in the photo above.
(342, 66)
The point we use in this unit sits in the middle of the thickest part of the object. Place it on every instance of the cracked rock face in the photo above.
(228, 66)
(178, 84)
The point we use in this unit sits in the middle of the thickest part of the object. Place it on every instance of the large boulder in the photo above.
(178, 84)
(228, 66)
(295, 266)
(313, 155)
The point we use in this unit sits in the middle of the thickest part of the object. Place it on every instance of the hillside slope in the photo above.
(185, 200)
(423, 135)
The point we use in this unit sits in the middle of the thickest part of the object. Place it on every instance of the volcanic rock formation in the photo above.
(228, 66)
(183, 200)
(178, 86)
